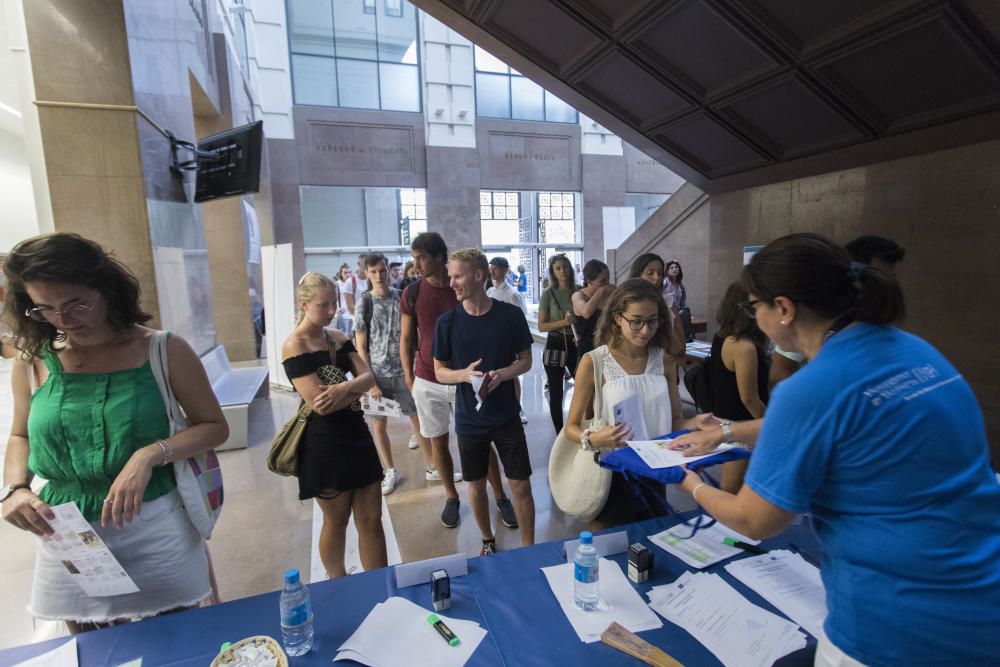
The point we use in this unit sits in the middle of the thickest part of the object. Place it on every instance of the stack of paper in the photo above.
(657, 453)
(705, 548)
(788, 582)
(397, 630)
(621, 602)
(738, 633)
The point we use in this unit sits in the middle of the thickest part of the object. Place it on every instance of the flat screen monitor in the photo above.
(235, 167)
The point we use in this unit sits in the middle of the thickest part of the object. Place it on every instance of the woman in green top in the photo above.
(89, 419)
(555, 316)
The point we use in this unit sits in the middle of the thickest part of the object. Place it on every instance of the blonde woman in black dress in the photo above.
(338, 464)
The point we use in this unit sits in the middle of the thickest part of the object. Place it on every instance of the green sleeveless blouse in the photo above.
(84, 427)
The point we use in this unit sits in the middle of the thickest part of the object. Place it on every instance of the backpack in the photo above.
(366, 299)
(698, 381)
(411, 293)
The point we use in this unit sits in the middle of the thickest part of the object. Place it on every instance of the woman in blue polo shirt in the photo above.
(882, 441)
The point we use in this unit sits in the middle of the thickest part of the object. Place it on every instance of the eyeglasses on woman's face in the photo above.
(638, 323)
(74, 311)
(749, 307)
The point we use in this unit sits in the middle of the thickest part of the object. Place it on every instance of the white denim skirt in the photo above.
(160, 550)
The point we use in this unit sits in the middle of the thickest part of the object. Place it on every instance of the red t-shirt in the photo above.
(432, 302)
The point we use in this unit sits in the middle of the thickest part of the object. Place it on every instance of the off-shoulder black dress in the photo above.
(336, 452)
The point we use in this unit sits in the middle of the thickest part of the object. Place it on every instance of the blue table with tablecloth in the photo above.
(506, 593)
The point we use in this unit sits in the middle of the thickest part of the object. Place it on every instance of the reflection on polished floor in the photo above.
(266, 529)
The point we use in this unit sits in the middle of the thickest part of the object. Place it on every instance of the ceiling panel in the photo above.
(731, 93)
(617, 80)
(700, 48)
(716, 150)
(792, 117)
(926, 72)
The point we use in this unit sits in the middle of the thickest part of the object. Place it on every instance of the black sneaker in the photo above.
(507, 515)
(488, 548)
(449, 517)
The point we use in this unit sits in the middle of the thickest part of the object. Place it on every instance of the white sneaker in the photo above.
(389, 481)
(524, 417)
(432, 475)
(413, 444)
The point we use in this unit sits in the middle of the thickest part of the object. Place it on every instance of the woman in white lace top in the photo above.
(632, 337)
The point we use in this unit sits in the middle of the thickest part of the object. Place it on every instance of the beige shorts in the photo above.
(435, 406)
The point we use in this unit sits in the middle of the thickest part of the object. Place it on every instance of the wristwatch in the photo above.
(727, 430)
(9, 490)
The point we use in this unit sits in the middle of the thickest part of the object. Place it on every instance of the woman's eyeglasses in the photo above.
(74, 311)
(748, 307)
(638, 324)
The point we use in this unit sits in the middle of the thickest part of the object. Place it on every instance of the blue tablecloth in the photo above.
(505, 593)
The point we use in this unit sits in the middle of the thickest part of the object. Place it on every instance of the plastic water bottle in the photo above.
(586, 575)
(296, 615)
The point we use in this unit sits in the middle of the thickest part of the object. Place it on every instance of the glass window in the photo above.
(502, 92)
(493, 95)
(314, 80)
(527, 99)
(557, 111)
(310, 27)
(354, 30)
(400, 87)
(371, 48)
(487, 62)
(556, 217)
(412, 219)
(499, 217)
(357, 83)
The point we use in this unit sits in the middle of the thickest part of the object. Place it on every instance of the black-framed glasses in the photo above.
(639, 323)
(74, 311)
(748, 307)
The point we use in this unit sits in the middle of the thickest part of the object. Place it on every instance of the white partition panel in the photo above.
(279, 306)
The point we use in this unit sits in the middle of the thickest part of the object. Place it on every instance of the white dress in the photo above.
(651, 387)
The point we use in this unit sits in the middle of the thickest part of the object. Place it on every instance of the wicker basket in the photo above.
(228, 656)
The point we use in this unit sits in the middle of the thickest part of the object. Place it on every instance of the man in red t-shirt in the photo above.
(435, 401)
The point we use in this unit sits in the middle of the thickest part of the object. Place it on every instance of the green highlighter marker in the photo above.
(743, 545)
(443, 630)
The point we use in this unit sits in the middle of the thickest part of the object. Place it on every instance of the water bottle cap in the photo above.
(586, 537)
(292, 575)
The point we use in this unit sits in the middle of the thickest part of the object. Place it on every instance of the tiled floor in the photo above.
(265, 529)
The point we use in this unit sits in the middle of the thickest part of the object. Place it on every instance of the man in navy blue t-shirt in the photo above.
(483, 345)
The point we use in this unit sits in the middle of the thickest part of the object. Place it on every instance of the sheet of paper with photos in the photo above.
(84, 554)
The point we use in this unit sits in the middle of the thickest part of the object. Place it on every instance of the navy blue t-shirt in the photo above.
(882, 440)
(496, 338)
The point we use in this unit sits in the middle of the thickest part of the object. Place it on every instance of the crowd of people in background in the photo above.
(805, 369)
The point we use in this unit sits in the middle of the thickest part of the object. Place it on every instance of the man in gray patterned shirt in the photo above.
(377, 333)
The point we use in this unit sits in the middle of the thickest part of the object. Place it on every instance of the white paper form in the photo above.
(657, 454)
(84, 554)
(383, 407)
(738, 633)
(396, 631)
(788, 582)
(629, 411)
(63, 656)
(624, 604)
(477, 385)
(705, 548)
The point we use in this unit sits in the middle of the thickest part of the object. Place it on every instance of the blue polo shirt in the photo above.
(495, 337)
(883, 441)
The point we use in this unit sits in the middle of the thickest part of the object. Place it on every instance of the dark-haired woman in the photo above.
(650, 267)
(738, 372)
(90, 419)
(676, 295)
(588, 302)
(555, 317)
(883, 442)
